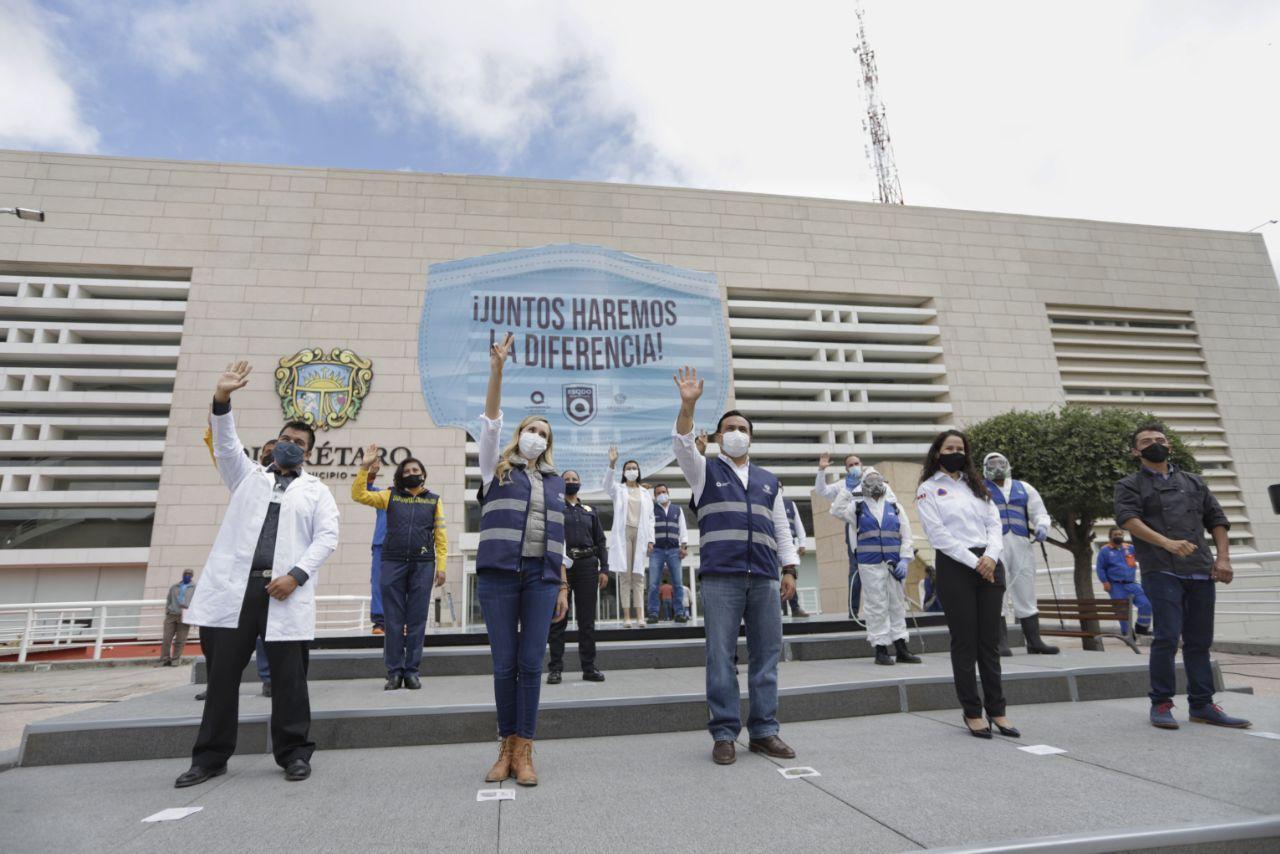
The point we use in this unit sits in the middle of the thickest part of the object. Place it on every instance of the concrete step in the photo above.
(357, 713)
(633, 654)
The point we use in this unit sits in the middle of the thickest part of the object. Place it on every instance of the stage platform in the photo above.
(888, 783)
(357, 713)
(636, 650)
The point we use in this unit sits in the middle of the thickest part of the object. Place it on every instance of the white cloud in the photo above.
(1131, 110)
(38, 106)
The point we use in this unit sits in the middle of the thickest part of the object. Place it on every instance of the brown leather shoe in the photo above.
(771, 746)
(522, 762)
(724, 753)
(501, 769)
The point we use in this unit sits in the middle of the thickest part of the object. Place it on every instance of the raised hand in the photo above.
(500, 351)
(824, 460)
(370, 457)
(234, 378)
(688, 384)
(613, 455)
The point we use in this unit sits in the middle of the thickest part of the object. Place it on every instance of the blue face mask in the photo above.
(852, 477)
(287, 455)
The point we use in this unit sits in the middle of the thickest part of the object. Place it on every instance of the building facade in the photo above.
(854, 327)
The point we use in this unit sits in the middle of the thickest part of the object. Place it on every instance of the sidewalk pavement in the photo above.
(888, 783)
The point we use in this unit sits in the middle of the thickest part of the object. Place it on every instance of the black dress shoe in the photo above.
(553, 678)
(593, 676)
(195, 775)
(202, 695)
(1011, 732)
(681, 618)
(985, 732)
(413, 683)
(724, 753)
(266, 689)
(651, 619)
(298, 769)
(392, 683)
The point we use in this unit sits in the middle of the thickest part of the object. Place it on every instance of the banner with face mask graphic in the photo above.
(599, 335)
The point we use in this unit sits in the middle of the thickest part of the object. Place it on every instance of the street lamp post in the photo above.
(25, 213)
(1264, 224)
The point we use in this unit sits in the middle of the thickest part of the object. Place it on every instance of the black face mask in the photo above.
(952, 462)
(572, 488)
(1155, 453)
(1116, 541)
(413, 481)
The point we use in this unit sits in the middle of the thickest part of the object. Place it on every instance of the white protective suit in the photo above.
(884, 605)
(1019, 552)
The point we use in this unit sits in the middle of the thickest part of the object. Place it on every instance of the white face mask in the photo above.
(632, 475)
(735, 443)
(663, 499)
(532, 445)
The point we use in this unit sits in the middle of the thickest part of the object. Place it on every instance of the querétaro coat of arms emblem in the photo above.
(323, 390)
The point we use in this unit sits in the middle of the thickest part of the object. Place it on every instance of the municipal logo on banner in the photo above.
(601, 330)
(324, 390)
(580, 403)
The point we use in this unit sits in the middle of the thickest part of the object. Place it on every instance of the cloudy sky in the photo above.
(1160, 112)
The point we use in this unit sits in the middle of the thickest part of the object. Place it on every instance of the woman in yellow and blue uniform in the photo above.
(413, 559)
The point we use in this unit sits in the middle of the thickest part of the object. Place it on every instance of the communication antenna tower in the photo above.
(879, 148)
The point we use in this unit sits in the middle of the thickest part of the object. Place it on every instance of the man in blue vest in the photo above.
(884, 553)
(798, 535)
(1117, 570)
(1023, 518)
(669, 546)
(743, 538)
(829, 491)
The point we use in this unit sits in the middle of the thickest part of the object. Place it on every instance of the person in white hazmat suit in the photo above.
(883, 551)
(1024, 519)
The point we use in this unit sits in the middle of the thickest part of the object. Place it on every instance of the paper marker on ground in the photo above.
(496, 795)
(1042, 749)
(803, 771)
(1275, 735)
(173, 814)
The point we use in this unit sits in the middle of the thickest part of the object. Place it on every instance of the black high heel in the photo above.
(1011, 732)
(977, 733)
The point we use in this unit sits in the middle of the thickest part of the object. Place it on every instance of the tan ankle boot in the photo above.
(501, 769)
(522, 762)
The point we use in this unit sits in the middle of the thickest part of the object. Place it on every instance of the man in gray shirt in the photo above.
(174, 639)
(1168, 511)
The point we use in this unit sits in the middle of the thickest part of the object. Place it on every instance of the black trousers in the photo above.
(290, 703)
(971, 606)
(584, 581)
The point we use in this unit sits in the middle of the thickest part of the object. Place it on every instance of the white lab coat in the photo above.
(617, 491)
(306, 536)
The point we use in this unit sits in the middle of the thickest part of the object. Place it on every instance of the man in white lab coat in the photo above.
(260, 578)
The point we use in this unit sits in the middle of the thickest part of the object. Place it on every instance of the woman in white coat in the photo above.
(630, 536)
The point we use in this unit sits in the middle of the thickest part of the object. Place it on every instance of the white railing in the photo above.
(48, 626)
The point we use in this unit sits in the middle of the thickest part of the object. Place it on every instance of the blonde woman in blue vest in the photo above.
(521, 568)
(630, 537)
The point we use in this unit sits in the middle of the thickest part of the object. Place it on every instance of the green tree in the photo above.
(1074, 456)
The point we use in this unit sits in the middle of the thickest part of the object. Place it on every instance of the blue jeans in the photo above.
(1183, 609)
(668, 559)
(260, 659)
(517, 607)
(375, 602)
(1132, 590)
(406, 595)
(728, 601)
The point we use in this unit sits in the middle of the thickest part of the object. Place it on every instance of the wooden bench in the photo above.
(1057, 611)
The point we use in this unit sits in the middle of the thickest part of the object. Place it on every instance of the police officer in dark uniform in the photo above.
(586, 546)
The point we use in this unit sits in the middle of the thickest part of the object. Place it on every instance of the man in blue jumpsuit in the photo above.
(1117, 570)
